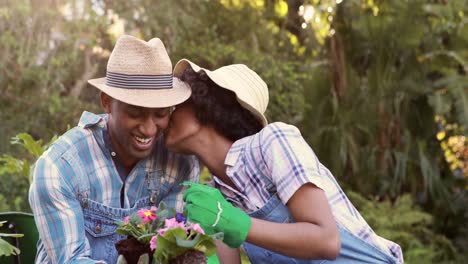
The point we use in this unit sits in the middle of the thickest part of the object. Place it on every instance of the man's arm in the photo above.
(58, 213)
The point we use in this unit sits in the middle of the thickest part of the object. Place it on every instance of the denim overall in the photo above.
(100, 219)
(353, 249)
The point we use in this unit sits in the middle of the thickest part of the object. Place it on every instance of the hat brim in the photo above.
(151, 98)
(219, 79)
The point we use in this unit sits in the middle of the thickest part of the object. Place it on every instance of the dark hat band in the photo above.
(130, 81)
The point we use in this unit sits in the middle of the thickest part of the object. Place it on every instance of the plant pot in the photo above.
(132, 249)
(190, 257)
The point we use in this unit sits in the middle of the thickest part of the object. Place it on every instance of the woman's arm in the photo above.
(313, 236)
(227, 255)
(293, 168)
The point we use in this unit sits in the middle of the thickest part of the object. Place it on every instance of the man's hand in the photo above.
(205, 205)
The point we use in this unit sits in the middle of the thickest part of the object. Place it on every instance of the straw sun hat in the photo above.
(251, 91)
(140, 73)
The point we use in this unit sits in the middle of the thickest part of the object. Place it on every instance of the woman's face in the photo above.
(183, 125)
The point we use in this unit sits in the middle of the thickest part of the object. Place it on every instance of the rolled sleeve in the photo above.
(289, 159)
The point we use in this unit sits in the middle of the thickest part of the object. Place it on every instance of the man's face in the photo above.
(134, 130)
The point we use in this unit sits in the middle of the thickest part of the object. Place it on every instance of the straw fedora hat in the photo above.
(140, 73)
(251, 91)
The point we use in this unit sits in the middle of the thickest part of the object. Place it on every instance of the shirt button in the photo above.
(113, 154)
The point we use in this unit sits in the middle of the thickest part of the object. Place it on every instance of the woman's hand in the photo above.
(205, 205)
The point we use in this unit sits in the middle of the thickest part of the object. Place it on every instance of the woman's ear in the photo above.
(106, 101)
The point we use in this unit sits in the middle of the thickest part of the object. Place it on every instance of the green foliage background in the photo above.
(378, 89)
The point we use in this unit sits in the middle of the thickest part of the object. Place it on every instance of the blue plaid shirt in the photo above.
(82, 152)
(280, 153)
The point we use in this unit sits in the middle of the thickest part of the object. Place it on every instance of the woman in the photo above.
(288, 206)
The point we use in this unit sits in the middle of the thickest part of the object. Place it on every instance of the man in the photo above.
(111, 165)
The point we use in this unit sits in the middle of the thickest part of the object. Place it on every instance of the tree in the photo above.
(393, 67)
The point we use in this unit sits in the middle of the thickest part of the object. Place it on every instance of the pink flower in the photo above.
(162, 231)
(153, 208)
(197, 228)
(172, 223)
(153, 242)
(147, 215)
(126, 220)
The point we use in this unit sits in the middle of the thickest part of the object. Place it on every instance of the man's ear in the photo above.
(106, 101)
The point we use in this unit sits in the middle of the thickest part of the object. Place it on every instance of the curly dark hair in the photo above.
(218, 107)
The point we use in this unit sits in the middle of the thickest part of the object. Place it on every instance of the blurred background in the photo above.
(379, 90)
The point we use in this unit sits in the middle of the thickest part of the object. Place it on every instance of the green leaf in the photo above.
(200, 242)
(34, 147)
(10, 165)
(145, 238)
(123, 231)
(460, 99)
(188, 243)
(6, 249)
(121, 260)
(26, 169)
(440, 102)
(144, 259)
(206, 245)
(163, 213)
(10, 235)
(130, 229)
(135, 220)
(172, 234)
(167, 249)
(162, 206)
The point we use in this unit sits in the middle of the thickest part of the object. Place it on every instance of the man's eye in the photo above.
(133, 114)
(163, 113)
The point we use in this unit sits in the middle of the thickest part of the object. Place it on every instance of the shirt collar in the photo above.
(89, 119)
(235, 151)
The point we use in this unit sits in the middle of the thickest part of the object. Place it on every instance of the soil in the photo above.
(131, 249)
(190, 257)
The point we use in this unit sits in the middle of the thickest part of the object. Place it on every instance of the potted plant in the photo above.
(154, 237)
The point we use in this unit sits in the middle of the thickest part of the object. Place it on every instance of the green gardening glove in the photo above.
(213, 259)
(205, 205)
